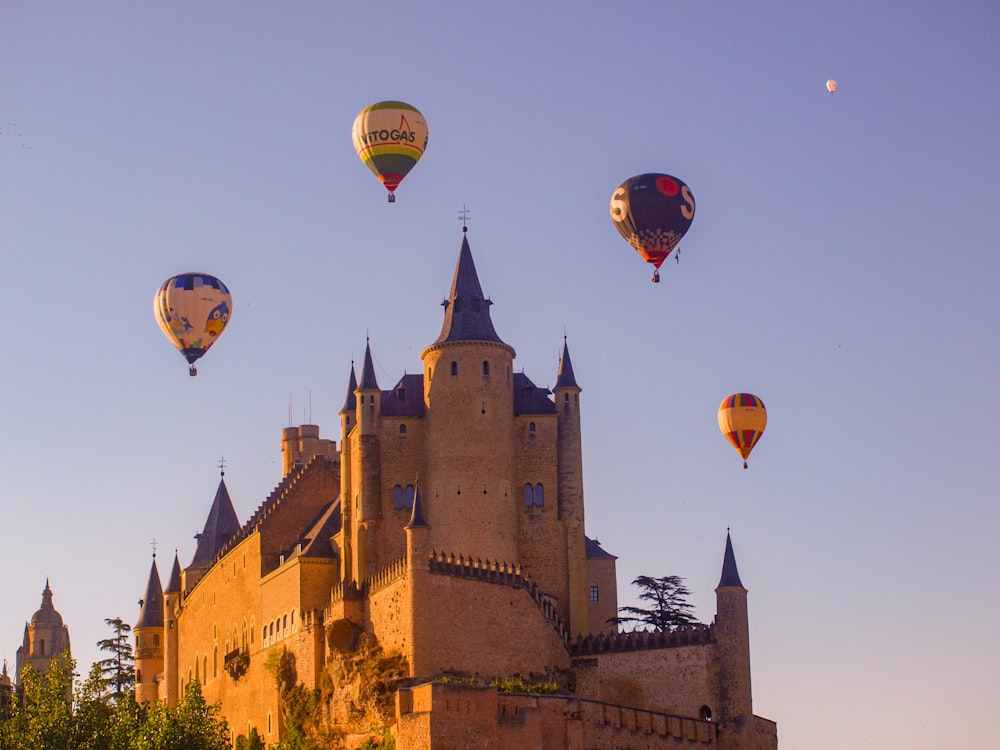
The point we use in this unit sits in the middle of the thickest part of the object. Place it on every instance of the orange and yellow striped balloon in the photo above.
(742, 419)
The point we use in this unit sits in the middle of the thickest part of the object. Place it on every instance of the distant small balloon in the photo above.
(831, 85)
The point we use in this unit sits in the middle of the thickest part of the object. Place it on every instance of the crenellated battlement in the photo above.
(382, 578)
(636, 640)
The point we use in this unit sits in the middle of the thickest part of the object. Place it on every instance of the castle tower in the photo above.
(418, 549)
(348, 421)
(469, 495)
(300, 444)
(45, 638)
(149, 639)
(220, 526)
(364, 492)
(570, 469)
(732, 628)
(171, 604)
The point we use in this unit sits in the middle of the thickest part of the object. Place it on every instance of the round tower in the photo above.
(732, 630)
(569, 452)
(171, 603)
(149, 639)
(469, 434)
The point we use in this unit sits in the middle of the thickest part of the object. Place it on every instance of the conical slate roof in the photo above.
(730, 575)
(351, 402)
(466, 311)
(221, 525)
(151, 606)
(174, 584)
(566, 378)
(417, 514)
(368, 380)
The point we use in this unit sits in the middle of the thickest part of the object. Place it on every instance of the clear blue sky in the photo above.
(842, 265)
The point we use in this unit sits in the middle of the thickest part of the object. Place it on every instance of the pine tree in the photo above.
(670, 607)
(118, 668)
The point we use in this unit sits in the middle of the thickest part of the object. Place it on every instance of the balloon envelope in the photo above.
(652, 212)
(390, 137)
(193, 309)
(742, 419)
(831, 85)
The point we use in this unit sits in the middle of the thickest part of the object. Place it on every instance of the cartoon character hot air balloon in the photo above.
(831, 85)
(193, 310)
(390, 137)
(653, 211)
(742, 419)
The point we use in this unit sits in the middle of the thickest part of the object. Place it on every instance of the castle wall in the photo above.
(466, 625)
(295, 509)
(402, 465)
(221, 613)
(458, 717)
(389, 614)
(678, 680)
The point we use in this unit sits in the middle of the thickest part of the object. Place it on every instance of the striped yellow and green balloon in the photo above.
(390, 137)
(742, 419)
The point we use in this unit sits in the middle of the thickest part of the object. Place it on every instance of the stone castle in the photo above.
(447, 524)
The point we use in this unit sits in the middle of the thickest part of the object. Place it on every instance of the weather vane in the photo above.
(222, 466)
(463, 216)
(153, 545)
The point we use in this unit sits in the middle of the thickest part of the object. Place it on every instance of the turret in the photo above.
(569, 449)
(149, 638)
(365, 491)
(171, 602)
(299, 445)
(732, 628)
(348, 421)
(469, 426)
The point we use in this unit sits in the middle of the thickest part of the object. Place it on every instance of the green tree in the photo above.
(118, 667)
(41, 716)
(668, 608)
(192, 725)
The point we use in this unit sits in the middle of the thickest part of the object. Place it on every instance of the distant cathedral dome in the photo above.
(46, 614)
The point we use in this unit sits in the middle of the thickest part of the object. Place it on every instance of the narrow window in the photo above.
(539, 495)
(705, 713)
(156, 639)
(595, 594)
(566, 397)
(454, 368)
(486, 367)
(138, 676)
(408, 499)
(204, 666)
(531, 427)
(41, 647)
(215, 662)
(529, 495)
(397, 497)
(402, 429)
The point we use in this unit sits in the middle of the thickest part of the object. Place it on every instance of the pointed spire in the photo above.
(151, 608)
(351, 402)
(417, 516)
(566, 378)
(466, 311)
(730, 575)
(368, 381)
(174, 584)
(221, 525)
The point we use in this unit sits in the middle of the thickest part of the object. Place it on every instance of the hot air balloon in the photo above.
(390, 137)
(192, 310)
(831, 85)
(653, 211)
(742, 419)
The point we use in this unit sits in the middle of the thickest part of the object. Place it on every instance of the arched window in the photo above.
(204, 666)
(284, 625)
(138, 676)
(531, 428)
(486, 367)
(269, 722)
(454, 368)
(41, 647)
(402, 429)
(534, 495)
(408, 497)
(705, 713)
(215, 661)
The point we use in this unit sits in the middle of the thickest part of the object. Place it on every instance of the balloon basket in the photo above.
(656, 277)
(392, 198)
(192, 371)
